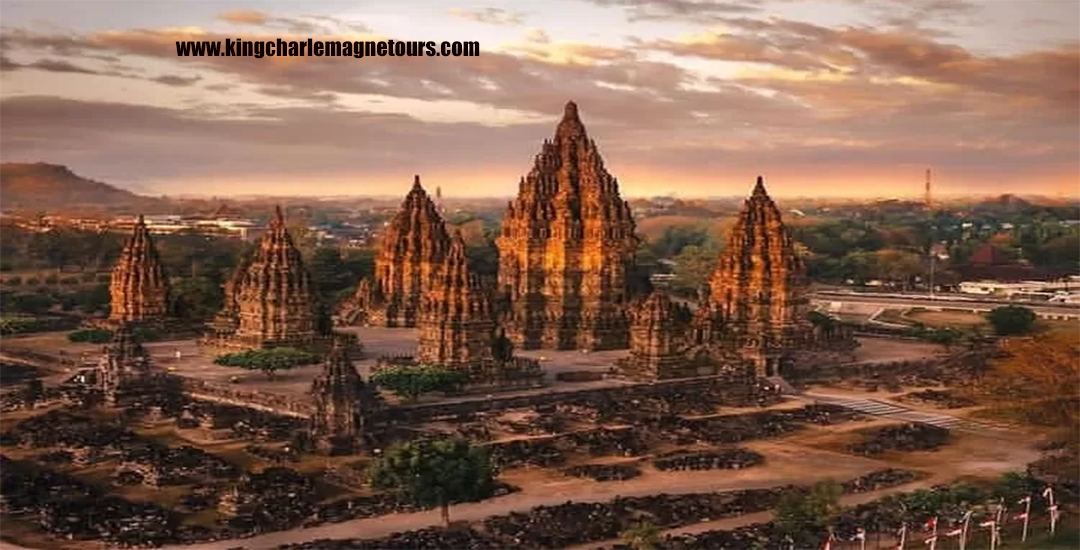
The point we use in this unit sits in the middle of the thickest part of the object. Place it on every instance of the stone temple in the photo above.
(139, 289)
(659, 349)
(413, 248)
(566, 246)
(757, 307)
(457, 325)
(270, 299)
(343, 402)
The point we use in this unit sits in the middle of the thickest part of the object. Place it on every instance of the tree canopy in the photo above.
(1011, 320)
(435, 472)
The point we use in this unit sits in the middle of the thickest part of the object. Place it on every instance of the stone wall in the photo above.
(297, 406)
(738, 390)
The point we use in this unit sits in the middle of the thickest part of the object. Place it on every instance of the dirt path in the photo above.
(782, 468)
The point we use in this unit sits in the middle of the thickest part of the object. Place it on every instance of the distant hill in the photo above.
(51, 187)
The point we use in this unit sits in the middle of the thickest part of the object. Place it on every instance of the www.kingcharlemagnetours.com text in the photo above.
(325, 48)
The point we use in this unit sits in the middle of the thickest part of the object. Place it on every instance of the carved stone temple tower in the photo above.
(757, 303)
(412, 251)
(272, 295)
(567, 242)
(457, 325)
(342, 402)
(139, 289)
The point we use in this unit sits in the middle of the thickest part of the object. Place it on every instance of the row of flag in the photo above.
(962, 531)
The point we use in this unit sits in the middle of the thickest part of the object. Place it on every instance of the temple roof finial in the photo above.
(416, 183)
(279, 216)
(570, 111)
(759, 188)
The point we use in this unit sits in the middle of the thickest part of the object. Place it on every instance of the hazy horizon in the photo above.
(825, 98)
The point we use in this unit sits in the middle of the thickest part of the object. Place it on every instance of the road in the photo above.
(1053, 311)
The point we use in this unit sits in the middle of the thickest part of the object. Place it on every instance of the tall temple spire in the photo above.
(139, 289)
(456, 325)
(568, 214)
(274, 297)
(412, 249)
(758, 291)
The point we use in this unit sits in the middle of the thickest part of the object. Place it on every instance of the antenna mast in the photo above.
(929, 197)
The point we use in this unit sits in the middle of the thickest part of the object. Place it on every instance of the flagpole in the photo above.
(1027, 518)
(1048, 494)
(997, 524)
(903, 536)
(964, 532)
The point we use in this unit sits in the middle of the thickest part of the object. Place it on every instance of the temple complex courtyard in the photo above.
(579, 450)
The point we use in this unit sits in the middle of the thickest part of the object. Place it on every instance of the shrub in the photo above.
(91, 336)
(51, 280)
(22, 325)
(69, 281)
(268, 361)
(33, 281)
(411, 381)
(14, 281)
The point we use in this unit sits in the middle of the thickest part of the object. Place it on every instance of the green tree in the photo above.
(328, 272)
(432, 473)
(806, 514)
(1012, 320)
(644, 535)
(412, 381)
(693, 266)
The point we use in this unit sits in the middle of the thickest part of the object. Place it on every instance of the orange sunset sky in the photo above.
(693, 97)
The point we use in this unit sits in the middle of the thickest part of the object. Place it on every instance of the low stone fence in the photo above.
(232, 395)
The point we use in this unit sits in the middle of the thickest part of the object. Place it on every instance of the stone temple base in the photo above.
(231, 343)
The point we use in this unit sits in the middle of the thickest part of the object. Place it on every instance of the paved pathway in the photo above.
(888, 409)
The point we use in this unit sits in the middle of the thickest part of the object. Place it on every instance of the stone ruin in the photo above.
(411, 253)
(270, 300)
(343, 403)
(566, 245)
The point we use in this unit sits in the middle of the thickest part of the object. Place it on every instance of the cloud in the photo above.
(793, 96)
(175, 80)
(491, 16)
(255, 18)
(694, 11)
(305, 24)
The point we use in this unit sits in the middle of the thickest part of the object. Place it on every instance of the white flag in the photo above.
(954, 533)
(1048, 492)
(1020, 516)
(930, 540)
(1024, 500)
(988, 523)
(860, 534)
